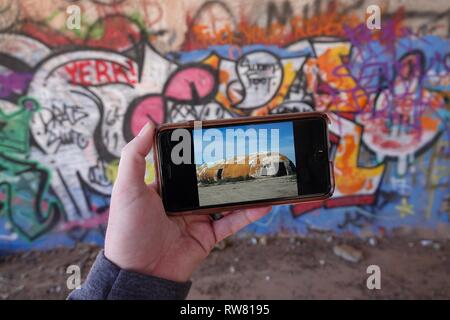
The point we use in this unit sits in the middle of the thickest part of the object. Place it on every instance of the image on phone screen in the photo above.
(251, 162)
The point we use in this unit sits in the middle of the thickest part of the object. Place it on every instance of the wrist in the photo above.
(170, 274)
(159, 270)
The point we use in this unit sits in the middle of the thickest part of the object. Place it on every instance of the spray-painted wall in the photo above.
(71, 98)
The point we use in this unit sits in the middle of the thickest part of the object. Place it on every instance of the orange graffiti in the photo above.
(348, 176)
(332, 84)
(331, 23)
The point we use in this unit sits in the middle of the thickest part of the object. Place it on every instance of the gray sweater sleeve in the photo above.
(107, 281)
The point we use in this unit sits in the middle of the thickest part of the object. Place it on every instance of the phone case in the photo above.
(238, 121)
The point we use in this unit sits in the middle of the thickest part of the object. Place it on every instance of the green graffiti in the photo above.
(14, 133)
(24, 183)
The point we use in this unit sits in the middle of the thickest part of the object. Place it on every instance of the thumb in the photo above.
(132, 163)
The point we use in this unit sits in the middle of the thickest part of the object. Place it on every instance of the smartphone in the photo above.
(206, 167)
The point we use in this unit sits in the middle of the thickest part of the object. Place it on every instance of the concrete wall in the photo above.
(70, 99)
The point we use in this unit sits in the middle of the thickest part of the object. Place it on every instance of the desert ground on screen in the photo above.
(248, 190)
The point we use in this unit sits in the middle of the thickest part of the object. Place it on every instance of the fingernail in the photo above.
(145, 128)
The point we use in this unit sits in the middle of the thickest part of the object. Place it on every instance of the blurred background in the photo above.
(78, 79)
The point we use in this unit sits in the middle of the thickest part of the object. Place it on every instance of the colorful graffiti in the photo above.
(71, 99)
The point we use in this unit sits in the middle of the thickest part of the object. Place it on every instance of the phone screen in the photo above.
(250, 163)
(243, 163)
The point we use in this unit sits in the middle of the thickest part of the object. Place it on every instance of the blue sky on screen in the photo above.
(285, 141)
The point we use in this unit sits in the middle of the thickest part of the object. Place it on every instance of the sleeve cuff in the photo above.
(107, 281)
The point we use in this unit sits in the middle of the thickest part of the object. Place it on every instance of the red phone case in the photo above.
(240, 121)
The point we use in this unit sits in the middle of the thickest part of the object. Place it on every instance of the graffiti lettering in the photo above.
(97, 72)
(71, 99)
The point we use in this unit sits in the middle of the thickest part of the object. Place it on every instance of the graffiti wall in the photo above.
(71, 98)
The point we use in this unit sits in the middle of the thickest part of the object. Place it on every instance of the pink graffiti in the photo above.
(190, 84)
(150, 108)
(354, 200)
(90, 223)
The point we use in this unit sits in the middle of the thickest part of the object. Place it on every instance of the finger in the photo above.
(132, 161)
(237, 220)
(153, 185)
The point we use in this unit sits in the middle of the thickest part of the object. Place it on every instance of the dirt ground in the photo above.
(248, 190)
(265, 268)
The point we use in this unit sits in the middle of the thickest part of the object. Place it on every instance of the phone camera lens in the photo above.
(319, 155)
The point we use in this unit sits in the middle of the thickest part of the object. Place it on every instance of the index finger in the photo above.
(235, 221)
(132, 162)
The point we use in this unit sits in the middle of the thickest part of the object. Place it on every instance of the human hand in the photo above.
(141, 237)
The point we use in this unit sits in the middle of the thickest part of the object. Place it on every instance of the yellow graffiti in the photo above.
(405, 208)
(149, 172)
(111, 170)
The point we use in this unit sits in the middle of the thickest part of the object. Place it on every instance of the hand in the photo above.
(141, 237)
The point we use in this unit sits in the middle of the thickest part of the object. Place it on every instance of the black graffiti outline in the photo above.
(278, 60)
(54, 212)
